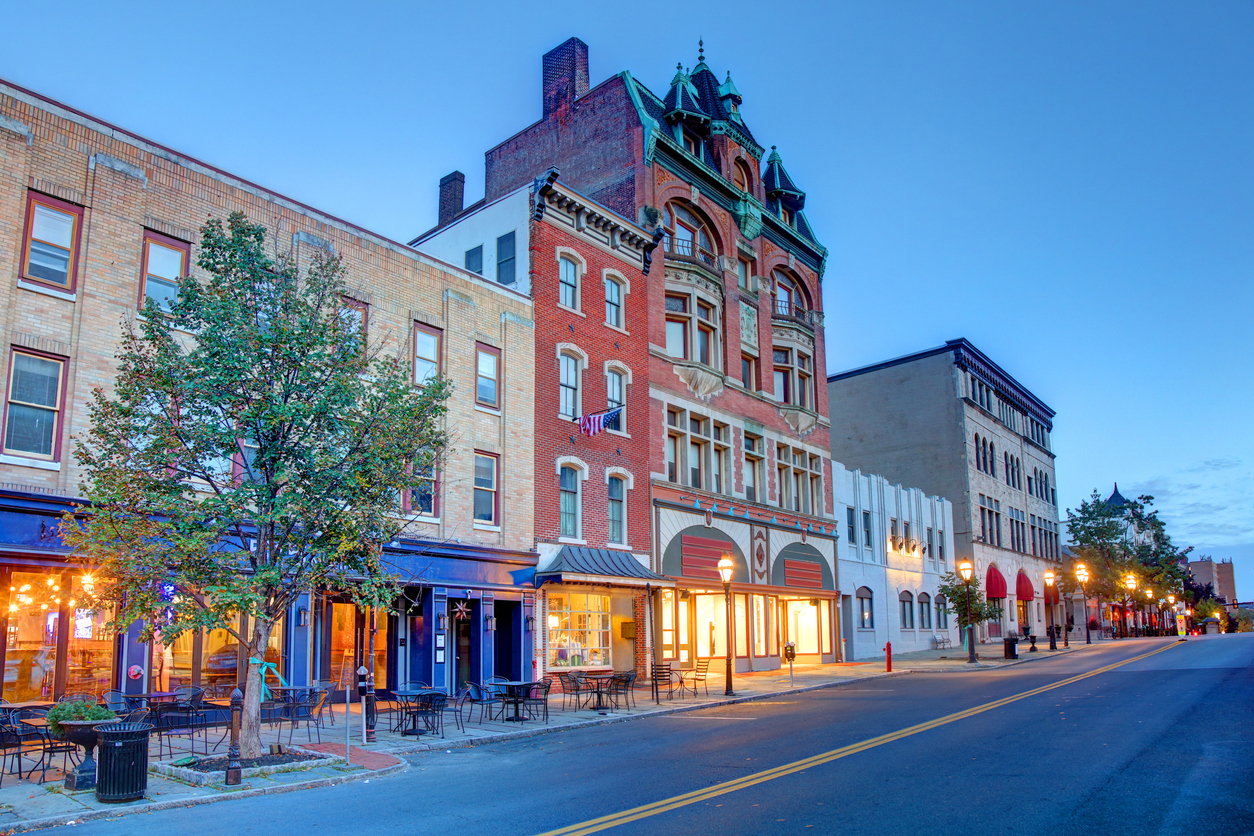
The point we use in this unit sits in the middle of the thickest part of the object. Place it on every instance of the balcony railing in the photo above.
(688, 249)
(795, 313)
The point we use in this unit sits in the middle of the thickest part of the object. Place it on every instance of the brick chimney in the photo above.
(452, 196)
(565, 75)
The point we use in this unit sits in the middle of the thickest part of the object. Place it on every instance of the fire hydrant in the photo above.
(888, 648)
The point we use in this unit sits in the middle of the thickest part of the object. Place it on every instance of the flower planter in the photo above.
(82, 733)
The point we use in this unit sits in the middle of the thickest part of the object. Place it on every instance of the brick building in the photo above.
(586, 268)
(738, 459)
(94, 218)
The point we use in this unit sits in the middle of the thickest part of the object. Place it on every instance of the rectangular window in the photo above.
(905, 530)
(52, 232)
(930, 553)
(354, 320)
(579, 630)
(866, 617)
(925, 615)
(746, 372)
(751, 479)
(32, 422)
(696, 453)
(849, 520)
(614, 398)
(613, 303)
(677, 338)
(423, 494)
(672, 458)
(488, 376)
(568, 385)
(568, 283)
(487, 509)
(165, 262)
(742, 274)
(940, 545)
(474, 260)
(568, 491)
(617, 514)
(426, 352)
(716, 470)
(866, 529)
(505, 258)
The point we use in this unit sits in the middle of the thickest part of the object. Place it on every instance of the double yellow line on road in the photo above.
(657, 807)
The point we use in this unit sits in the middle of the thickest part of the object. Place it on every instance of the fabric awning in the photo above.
(579, 564)
(1024, 590)
(994, 584)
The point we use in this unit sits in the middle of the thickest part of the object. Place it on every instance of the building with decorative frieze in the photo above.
(735, 439)
(954, 423)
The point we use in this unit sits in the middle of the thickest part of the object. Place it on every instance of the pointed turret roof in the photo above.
(1117, 499)
(778, 185)
(727, 90)
(683, 97)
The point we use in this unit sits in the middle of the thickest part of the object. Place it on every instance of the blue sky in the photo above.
(1070, 185)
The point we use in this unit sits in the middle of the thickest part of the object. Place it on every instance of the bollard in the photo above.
(234, 772)
(888, 648)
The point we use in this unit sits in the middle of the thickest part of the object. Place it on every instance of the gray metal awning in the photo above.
(579, 564)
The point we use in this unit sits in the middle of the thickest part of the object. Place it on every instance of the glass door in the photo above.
(30, 659)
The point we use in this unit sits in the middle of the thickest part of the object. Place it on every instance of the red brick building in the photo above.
(736, 436)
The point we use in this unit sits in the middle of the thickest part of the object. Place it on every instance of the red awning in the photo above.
(994, 584)
(1023, 588)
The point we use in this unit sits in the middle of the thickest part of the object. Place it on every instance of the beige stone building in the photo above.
(93, 219)
(952, 422)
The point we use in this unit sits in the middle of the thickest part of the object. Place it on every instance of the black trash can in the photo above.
(1010, 648)
(122, 772)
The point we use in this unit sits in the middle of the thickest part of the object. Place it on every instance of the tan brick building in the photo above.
(92, 219)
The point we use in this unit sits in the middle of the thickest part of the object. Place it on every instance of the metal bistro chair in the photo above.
(485, 699)
(699, 677)
(184, 719)
(87, 698)
(46, 744)
(307, 709)
(115, 701)
(537, 700)
(664, 676)
(622, 687)
(10, 745)
(430, 710)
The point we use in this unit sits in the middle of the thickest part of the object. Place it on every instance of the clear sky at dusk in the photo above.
(1069, 185)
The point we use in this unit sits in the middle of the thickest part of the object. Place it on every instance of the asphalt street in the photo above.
(1079, 743)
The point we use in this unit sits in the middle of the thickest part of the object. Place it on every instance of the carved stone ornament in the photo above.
(702, 382)
(787, 333)
(800, 420)
(758, 538)
(748, 324)
(692, 278)
(696, 193)
(748, 218)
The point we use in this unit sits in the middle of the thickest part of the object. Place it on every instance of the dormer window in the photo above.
(785, 215)
(741, 176)
(692, 144)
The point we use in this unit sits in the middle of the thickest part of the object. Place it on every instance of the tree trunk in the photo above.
(250, 723)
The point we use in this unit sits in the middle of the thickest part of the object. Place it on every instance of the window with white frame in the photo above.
(616, 494)
(165, 262)
(925, 611)
(568, 283)
(907, 610)
(568, 491)
(800, 479)
(866, 529)
(614, 302)
(853, 533)
(616, 396)
(487, 506)
(794, 376)
(569, 368)
(942, 613)
(754, 450)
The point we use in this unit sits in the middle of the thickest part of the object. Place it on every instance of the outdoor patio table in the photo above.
(600, 681)
(515, 694)
(411, 701)
(28, 704)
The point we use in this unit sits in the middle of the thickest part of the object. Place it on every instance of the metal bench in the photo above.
(942, 642)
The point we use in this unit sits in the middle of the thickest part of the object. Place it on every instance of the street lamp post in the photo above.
(965, 569)
(725, 568)
(1130, 583)
(1082, 575)
(1049, 608)
(1149, 615)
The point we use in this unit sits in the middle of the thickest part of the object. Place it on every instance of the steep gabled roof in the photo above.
(1117, 499)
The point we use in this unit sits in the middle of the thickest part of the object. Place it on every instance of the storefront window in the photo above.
(219, 657)
(742, 625)
(759, 625)
(711, 626)
(90, 669)
(803, 626)
(825, 625)
(994, 623)
(171, 661)
(668, 624)
(1025, 615)
(31, 660)
(343, 631)
(579, 630)
(380, 650)
(772, 630)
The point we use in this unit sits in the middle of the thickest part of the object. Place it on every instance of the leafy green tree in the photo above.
(1244, 617)
(957, 592)
(255, 447)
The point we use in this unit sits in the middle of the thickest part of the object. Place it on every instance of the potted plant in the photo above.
(76, 722)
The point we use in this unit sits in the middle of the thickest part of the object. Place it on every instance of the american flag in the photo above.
(593, 424)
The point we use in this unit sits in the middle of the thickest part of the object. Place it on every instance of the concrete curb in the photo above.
(174, 804)
(537, 731)
(966, 667)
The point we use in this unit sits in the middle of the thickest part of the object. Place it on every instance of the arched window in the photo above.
(978, 452)
(791, 298)
(617, 495)
(568, 491)
(992, 459)
(742, 178)
(613, 302)
(689, 237)
(568, 283)
(907, 610)
(568, 385)
(866, 612)
(925, 611)
(942, 613)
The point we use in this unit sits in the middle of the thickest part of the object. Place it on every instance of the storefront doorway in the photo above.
(463, 644)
